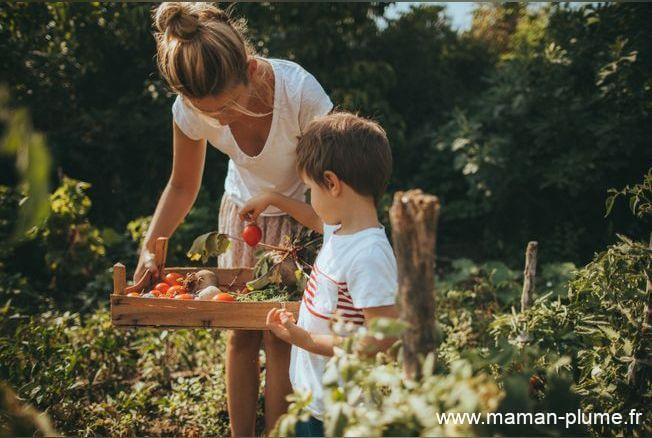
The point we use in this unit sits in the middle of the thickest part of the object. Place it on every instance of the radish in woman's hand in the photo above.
(252, 234)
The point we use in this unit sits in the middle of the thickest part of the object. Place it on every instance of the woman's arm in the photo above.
(302, 212)
(177, 198)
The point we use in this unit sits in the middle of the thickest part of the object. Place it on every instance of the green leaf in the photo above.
(208, 245)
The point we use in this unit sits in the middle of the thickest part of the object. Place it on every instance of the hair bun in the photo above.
(176, 19)
(183, 19)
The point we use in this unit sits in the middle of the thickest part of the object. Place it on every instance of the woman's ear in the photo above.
(333, 183)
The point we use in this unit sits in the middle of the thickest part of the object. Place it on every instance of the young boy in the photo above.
(346, 162)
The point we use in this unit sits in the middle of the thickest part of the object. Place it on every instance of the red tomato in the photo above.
(184, 297)
(252, 234)
(173, 278)
(223, 297)
(133, 294)
(173, 291)
(162, 287)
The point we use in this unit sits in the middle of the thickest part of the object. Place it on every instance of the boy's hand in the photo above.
(280, 322)
(255, 206)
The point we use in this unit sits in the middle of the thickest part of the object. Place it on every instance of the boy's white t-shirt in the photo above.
(351, 272)
(298, 98)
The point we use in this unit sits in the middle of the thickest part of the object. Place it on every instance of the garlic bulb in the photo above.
(208, 293)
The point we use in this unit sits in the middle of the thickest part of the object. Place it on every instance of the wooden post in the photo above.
(119, 279)
(414, 216)
(160, 254)
(529, 274)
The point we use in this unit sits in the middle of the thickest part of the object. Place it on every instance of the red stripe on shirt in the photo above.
(355, 309)
(352, 315)
(312, 283)
(341, 299)
(314, 312)
(315, 268)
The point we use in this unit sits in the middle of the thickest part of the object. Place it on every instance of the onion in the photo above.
(208, 293)
(200, 280)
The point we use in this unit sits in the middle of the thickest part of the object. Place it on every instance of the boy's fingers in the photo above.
(270, 316)
(286, 318)
(253, 214)
(244, 214)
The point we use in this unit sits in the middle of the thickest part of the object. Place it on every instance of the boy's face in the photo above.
(324, 199)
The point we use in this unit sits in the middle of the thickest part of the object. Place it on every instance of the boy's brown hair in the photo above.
(354, 148)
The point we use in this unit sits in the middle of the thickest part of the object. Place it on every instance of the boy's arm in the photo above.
(323, 344)
(371, 345)
(302, 212)
(316, 344)
(283, 325)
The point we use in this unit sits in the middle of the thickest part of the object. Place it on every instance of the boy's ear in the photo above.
(333, 183)
(252, 67)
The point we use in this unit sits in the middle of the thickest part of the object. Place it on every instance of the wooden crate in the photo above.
(169, 313)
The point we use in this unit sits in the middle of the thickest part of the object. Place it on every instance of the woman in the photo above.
(252, 109)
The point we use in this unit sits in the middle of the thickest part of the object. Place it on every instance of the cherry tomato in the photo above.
(223, 297)
(173, 291)
(173, 278)
(184, 297)
(133, 294)
(252, 234)
(162, 287)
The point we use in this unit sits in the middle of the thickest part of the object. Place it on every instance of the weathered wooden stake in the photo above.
(414, 216)
(529, 273)
(119, 279)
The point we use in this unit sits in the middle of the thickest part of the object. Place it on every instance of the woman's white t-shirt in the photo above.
(351, 272)
(298, 98)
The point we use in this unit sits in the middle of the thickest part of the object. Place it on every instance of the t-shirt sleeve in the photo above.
(372, 277)
(186, 119)
(314, 102)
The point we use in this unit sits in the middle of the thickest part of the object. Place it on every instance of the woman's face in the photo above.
(223, 107)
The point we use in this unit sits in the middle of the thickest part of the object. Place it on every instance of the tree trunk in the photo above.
(529, 273)
(414, 216)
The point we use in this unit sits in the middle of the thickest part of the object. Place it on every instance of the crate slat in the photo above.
(170, 313)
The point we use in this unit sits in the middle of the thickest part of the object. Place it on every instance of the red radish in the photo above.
(252, 234)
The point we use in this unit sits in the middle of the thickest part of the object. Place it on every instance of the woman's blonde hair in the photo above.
(201, 50)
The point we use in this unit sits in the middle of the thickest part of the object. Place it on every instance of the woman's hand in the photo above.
(255, 206)
(145, 263)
